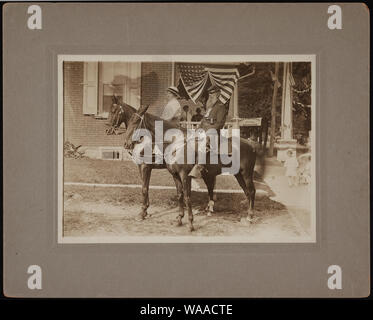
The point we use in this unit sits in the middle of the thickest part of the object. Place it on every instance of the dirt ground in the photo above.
(111, 211)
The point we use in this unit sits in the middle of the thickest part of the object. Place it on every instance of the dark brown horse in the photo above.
(180, 171)
(122, 113)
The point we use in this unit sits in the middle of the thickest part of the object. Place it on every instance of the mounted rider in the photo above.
(172, 110)
(214, 118)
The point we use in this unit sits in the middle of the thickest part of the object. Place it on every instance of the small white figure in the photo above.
(291, 165)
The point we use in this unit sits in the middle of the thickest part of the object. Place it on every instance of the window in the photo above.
(103, 79)
(90, 88)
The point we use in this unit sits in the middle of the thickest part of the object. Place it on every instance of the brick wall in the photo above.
(156, 77)
(89, 132)
(81, 129)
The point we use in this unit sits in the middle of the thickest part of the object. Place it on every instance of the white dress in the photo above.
(291, 165)
(172, 110)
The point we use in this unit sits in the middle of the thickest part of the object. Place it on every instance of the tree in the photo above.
(256, 91)
(255, 97)
(301, 100)
(273, 109)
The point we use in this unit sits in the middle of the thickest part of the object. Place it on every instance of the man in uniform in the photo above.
(214, 118)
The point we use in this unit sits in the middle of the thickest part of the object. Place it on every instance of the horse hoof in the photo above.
(246, 221)
(209, 214)
(196, 212)
(191, 229)
(209, 209)
(140, 218)
(210, 206)
(251, 219)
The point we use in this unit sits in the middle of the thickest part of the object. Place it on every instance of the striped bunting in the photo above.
(196, 78)
(225, 79)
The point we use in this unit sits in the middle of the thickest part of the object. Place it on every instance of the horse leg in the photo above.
(249, 195)
(210, 183)
(187, 186)
(145, 173)
(140, 167)
(251, 190)
(180, 198)
(214, 195)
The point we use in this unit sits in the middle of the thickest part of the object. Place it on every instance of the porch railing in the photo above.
(194, 124)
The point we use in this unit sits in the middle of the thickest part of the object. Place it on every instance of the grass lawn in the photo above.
(125, 172)
(110, 211)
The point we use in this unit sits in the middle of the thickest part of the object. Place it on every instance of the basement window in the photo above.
(111, 153)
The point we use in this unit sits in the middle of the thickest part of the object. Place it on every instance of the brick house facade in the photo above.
(81, 129)
(88, 87)
(88, 130)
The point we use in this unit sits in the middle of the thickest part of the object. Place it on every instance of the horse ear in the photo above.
(142, 110)
(114, 99)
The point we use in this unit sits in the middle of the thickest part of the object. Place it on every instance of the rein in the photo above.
(142, 124)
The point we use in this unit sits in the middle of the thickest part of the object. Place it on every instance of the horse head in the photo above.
(116, 116)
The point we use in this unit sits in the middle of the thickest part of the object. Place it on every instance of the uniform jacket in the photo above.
(215, 117)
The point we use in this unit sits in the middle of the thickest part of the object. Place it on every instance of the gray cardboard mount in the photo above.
(185, 270)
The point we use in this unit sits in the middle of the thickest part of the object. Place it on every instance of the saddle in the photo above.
(227, 151)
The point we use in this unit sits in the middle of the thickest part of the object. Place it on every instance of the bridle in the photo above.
(117, 123)
(141, 124)
(118, 120)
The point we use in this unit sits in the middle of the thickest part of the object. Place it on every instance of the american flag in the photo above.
(225, 79)
(193, 80)
(196, 78)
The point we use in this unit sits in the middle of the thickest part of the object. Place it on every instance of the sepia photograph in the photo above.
(186, 151)
(198, 148)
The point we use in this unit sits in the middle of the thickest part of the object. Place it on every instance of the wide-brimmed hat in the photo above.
(174, 91)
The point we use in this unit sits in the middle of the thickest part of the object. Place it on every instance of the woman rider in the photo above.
(172, 110)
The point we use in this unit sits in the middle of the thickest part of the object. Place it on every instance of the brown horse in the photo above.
(180, 171)
(122, 113)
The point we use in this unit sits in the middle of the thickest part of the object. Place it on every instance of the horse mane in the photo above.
(126, 117)
(130, 107)
(151, 117)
